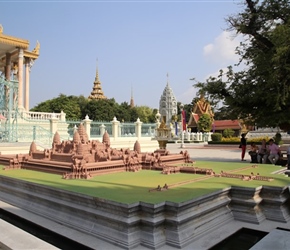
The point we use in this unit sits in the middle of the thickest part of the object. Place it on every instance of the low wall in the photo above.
(150, 225)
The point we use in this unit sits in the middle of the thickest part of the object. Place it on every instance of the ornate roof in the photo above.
(224, 124)
(11, 44)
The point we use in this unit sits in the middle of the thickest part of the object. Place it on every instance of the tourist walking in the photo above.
(243, 146)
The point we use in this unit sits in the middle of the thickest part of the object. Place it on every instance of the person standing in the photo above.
(243, 146)
(274, 152)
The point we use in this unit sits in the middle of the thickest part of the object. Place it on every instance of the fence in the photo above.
(34, 126)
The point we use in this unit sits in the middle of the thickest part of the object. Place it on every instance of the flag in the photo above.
(183, 117)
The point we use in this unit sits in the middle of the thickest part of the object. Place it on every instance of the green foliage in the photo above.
(227, 133)
(259, 93)
(68, 104)
(204, 123)
(236, 139)
(76, 108)
(145, 114)
(216, 137)
(278, 138)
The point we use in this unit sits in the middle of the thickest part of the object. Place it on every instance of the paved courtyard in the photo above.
(210, 153)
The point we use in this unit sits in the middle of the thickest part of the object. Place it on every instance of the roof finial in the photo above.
(1, 28)
(132, 99)
(167, 78)
(97, 71)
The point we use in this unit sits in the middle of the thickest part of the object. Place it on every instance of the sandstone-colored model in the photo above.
(82, 158)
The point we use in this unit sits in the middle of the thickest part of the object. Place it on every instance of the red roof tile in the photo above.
(224, 124)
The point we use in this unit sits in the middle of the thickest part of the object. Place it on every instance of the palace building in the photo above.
(16, 61)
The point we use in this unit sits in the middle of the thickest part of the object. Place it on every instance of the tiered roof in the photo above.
(97, 93)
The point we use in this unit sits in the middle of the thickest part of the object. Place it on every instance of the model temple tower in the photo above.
(97, 92)
(167, 104)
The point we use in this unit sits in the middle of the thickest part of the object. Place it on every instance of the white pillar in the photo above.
(102, 129)
(62, 116)
(138, 126)
(87, 125)
(53, 124)
(20, 78)
(115, 130)
(27, 79)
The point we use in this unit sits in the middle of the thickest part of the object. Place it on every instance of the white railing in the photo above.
(30, 115)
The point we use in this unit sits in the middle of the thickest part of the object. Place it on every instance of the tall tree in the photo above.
(260, 93)
(145, 113)
(67, 104)
(204, 123)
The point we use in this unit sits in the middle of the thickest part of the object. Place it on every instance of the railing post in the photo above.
(62, 116)
(102, 130)
(87, 124)
(209, 136)
(53, 124)
(138, 127)
(115, 129)
(34, 133)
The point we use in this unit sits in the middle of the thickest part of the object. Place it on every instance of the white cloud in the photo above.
(222, 50)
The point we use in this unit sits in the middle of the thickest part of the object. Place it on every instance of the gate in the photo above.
(8, 110)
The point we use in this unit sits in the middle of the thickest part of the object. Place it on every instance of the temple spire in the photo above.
(97, 92)
(132, 99)
(97, 72)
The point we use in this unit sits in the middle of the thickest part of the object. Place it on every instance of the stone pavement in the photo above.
(204, 152)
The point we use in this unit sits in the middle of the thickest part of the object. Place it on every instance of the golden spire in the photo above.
(97, 73)
(132, 99)
(1, 29)
(97, 92)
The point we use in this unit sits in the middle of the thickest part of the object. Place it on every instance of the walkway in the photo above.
(209, 153)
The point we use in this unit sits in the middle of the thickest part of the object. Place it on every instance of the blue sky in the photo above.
(136, 44)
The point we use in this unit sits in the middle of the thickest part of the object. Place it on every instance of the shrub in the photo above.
(258, 140)
(227, 133)
(216, 137)
(278, 139)
(231, 139)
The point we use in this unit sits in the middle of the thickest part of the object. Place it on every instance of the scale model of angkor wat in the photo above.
(83, 158)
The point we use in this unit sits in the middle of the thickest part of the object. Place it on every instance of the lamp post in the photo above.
(182, 121)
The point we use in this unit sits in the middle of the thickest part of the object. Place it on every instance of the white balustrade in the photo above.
(31, 115)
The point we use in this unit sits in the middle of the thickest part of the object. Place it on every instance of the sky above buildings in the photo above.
(134, 43)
